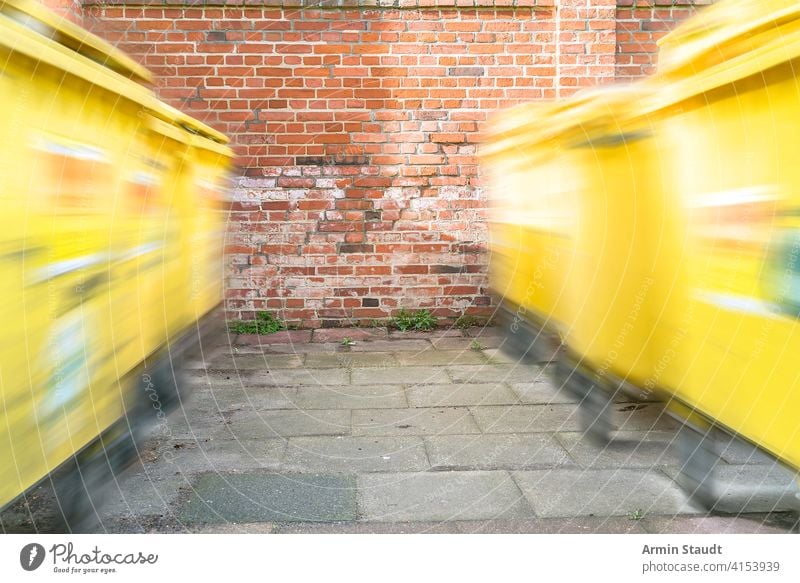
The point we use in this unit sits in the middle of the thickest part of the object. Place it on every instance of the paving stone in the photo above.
(283, 337)
(356, 454)
(139, 491)
(432, 336)
(262, 361)
(576, 525)
(509, 373)
(305, 376)
(747, 524)
(283, 348)
(392, 345)
(420, 527)
(432, 357)
(218, 455)
(352, 360)
(442, 496)
(462, 343)
(565, 417)
(185, 424)
(750, 488)
(498, 356)
(214, 378)
(627, 449)
(234, 528)
(336, 335)
(270, 497)
(527, 418)
(737, 451)
(406, 375)
(284, 423)
(351, 397)
(615, 492)
(492, 452)
(642, 417)
(244, 398)
(484, 332)
(454, 395)
(542, 392)
(422, 421)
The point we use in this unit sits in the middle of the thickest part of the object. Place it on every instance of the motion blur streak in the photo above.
(671, 208)
(110, 253)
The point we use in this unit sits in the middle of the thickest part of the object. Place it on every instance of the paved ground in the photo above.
(415, 432)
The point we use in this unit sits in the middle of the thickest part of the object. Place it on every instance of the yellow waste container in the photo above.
(728, 117)
(533, 219)
(68, 122)
(102, 194)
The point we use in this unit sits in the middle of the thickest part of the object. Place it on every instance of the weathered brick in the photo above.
(365, 123)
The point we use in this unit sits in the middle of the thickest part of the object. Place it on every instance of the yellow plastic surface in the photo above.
(97, 244)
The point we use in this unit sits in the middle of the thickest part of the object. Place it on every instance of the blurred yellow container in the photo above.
(68, 123)
(533, 220)
(728, 116)
(626, 244)
(103, 227)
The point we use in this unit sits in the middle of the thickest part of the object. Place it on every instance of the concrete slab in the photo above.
(432, 357)
(222, 400)
(493, 452)
(187, 424)
(139, 491)
(305, 376)
(751, 488)
(432, 336)
(283, 337)
(542, 392)
(234, 528)
(509, 373)
(202, 378)
(283, 348)
(356, 454)
(422, 421)
(460, 395)
(262, 361)
(614, 492)
(336, 335)
(463, 343)
(369, 528)
(527, 418)
(284, 423)
(351, 397)
(196, 457)
(414, 375)
(497, 355)
(580, 525)
(737, 451)
(576, 525)
(627, 449)
(352, 360)
(440, 496)
(642, 417)
(269, 497)
(747, 524)
(394, 345)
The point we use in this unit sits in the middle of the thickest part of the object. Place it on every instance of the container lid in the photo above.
(580, 116)
(176, 117)
(36, 17)
(725, 31)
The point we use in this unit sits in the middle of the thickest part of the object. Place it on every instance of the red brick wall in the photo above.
(356, 129)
